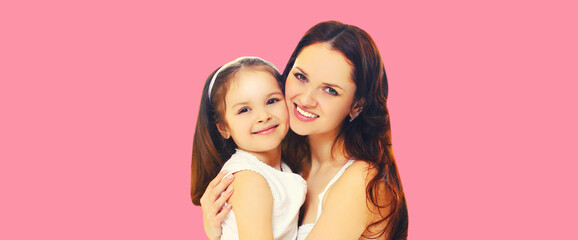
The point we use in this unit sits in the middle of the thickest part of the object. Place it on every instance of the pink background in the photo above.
(99, 99)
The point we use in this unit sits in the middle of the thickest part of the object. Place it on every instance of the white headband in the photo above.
(233, 62)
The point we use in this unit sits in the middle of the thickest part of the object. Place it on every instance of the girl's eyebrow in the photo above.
(268, 96)
(241, 103)
(275, 93)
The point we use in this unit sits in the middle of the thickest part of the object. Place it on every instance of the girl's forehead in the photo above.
(251, 84)
(252, 78)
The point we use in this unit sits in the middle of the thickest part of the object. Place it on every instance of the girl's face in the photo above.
(255, 112)
(319, 90)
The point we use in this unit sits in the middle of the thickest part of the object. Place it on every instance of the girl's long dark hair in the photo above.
(368, 137)
(210, 149)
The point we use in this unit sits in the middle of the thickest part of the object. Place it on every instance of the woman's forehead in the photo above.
(320, 61)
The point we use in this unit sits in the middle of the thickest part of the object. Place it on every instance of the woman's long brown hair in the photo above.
(368, 137)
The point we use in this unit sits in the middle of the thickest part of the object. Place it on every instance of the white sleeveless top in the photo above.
(288, 191)
(305, 229)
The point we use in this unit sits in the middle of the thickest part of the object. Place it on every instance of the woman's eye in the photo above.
(331, 91)
(300, 77)
(242, 110)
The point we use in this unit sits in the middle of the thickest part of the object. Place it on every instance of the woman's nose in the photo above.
(308, 97)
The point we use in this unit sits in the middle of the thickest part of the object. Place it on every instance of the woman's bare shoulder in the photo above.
(357, 178)
(345, 214)
(360, 172)
(353, 183)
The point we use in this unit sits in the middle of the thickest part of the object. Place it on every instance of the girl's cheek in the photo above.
(281, 111)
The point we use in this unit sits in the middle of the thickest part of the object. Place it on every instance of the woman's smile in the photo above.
(303, 115)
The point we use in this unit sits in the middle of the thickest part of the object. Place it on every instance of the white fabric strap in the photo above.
(333, 180)
(230, 64)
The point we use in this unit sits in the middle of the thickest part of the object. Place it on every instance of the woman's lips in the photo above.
(304, 115)
(267, 130)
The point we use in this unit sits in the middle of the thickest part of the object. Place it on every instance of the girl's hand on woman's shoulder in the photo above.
(217, 193)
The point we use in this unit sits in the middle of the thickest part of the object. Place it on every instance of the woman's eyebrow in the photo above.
(325, 83)
(332, 85)
(302, 71)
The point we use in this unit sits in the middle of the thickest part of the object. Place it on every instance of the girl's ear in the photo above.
(222, 127)
(356, 109)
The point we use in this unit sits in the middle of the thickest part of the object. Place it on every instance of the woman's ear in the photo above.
(222, 127)
(356, 109)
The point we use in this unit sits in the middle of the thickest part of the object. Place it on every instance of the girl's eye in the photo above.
(300, 77)
(242, 110)
(272, 100)
(331, 91)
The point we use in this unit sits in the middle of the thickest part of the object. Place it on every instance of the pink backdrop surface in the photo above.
(99, 99)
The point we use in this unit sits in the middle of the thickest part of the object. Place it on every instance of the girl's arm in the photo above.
(345, 213)
(212, 201)
(253, 206)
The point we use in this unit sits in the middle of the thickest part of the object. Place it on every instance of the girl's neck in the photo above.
(271, 157)
(323, 151)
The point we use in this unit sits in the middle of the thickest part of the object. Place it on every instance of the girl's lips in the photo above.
(267, 130)
(304, 115)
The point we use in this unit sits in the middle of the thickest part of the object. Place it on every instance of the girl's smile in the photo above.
(267, 130)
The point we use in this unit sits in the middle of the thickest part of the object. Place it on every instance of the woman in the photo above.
(340, 140)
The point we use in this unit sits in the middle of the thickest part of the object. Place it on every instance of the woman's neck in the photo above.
(323, 152)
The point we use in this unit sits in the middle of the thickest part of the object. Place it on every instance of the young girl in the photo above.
(243, 118)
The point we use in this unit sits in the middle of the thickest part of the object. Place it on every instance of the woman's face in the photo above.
(319, 90)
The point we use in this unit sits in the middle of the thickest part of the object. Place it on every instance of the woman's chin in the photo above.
(301, 130)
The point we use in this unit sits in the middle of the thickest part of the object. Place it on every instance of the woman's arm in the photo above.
(253, 206)
(345, 213)
(217, 193)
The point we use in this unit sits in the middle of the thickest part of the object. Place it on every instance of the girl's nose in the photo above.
(265, 116)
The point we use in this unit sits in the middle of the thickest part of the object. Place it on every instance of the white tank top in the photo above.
(288, 190)
(305, 229)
